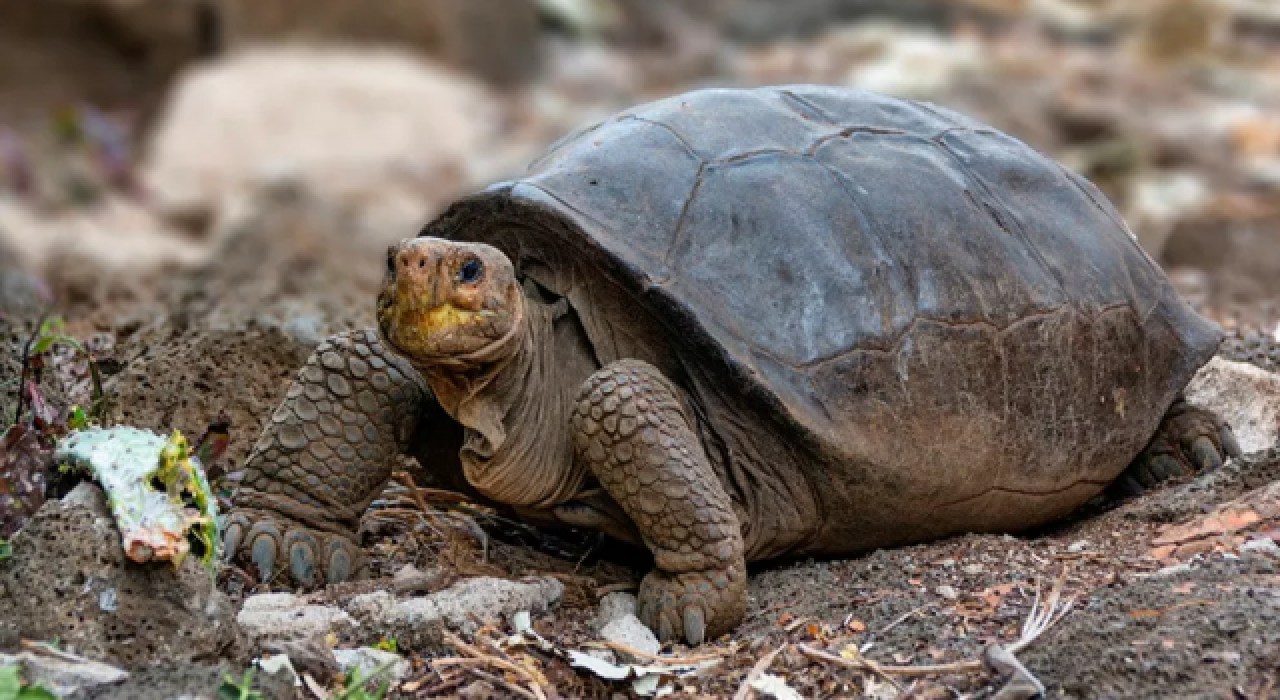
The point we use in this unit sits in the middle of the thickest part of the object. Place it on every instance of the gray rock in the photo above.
(614, 606)
(416, 623)
(271, 617)
(370, 661)
(1247, 398)
(630, 631)
(69, 580)
(280, 670)
(63, 676)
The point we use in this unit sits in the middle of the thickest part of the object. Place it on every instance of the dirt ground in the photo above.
(1170, 594)
(1139, 626)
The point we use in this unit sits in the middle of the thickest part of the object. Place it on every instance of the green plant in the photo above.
(52, 331)
(232, 689)
(387, 644)
(12, 687)
(355, 686)
(6, 550)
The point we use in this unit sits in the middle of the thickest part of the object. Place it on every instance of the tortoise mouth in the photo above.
(444, 334)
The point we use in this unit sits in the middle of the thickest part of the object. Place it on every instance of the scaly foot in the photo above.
(276, 548)
(1190, 439)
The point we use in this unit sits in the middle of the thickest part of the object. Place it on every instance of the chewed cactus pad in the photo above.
(156, 489)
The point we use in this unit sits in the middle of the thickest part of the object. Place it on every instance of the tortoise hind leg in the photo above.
(1190, 439)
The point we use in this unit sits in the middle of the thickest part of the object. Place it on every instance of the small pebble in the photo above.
(947, 592)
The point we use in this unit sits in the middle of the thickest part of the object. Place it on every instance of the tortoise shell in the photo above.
(885, 312)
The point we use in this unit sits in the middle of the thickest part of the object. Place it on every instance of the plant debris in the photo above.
(156, 489)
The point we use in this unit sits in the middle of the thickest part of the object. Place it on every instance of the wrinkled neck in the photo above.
(517, 448)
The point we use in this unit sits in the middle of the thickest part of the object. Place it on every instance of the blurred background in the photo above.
(135, 135)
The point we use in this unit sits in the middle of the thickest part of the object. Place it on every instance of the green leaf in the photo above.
(10, 684)
(43, 344)
(33, 692)
(232, 689)
(6, 553)
(77, 420)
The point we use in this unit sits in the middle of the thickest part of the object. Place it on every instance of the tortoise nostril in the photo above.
(422, 263)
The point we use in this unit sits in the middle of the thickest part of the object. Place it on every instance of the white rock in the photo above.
(1245, 396)
(285, 616)
(630, 631)
(370, 660)
(279, 667)
(353, 123)
(415, 622)
(1078, 546)
(63, 676)
(947, 592)
(614, 606)
(771, 686)
(1265, 545)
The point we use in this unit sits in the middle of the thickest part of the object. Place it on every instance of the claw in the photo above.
(665, 633)
(264, 545)
(301, 548)
(1145, 475)
(1230, 445)
(695, 625)
(1204, 454)
(232, 536)
(263, 554)
(340, 563)
(1164, 467)
(1127, 486)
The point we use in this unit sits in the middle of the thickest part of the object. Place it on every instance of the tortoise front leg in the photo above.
(325, 454)
(631, 430)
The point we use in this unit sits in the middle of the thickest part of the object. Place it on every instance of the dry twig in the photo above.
(1043, 616)
(654, 658)
(745, 691)
(497, 680)
(495, 661)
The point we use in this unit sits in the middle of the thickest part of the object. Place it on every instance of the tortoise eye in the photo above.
(470, 271)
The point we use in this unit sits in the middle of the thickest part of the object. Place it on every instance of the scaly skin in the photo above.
(631, 430)
(458, 313)
(326, 452)
(1189, 440)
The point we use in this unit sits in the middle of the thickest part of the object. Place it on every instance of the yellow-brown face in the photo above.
(444, 300)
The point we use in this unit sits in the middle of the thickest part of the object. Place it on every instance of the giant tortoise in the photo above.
(737, 325)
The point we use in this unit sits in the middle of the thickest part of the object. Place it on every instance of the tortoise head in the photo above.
(448, 302)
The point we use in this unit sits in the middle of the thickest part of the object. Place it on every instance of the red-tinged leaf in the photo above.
(857, 625)
(785, 619)
(40, 408)
(213, 445)
(24, 466)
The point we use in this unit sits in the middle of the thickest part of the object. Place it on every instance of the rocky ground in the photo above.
(202, 280)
